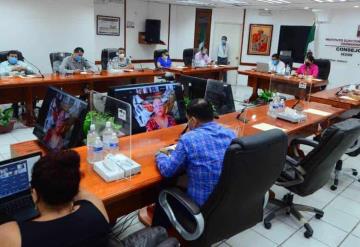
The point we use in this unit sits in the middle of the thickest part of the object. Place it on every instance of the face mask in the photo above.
(13, 60)
(78, 58)
(121, 55)
(223, 42)
(275, 62)
(307, 64)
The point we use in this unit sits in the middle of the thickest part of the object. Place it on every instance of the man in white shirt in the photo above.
(275, 65)
(223, 54)
(13, 66)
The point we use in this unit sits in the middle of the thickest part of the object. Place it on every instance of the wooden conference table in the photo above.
(29, 89)
(209, 72)
(282, 84)
(122, 197)
(329, 97)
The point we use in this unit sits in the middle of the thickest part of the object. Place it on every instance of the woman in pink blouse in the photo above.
(308, 68)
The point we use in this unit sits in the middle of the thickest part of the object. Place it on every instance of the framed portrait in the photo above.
(260, 36)
(358, 32)
(107, 25)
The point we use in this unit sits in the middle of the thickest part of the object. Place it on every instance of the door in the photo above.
(233, 32)
(202, 27)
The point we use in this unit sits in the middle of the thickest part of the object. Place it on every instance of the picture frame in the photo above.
(260, 37)
(107, 25)
(358, 32)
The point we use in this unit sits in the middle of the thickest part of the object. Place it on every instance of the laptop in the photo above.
(262, 67)
(15, 192)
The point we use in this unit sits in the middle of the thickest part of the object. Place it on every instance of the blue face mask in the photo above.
(275, 62)
(223, 42)
(78, 58)
(12, 60)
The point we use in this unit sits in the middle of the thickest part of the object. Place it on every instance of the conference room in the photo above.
(180, 123)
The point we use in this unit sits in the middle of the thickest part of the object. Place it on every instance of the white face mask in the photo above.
(122, 55)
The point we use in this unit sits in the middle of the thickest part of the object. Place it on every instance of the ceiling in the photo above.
(269, 4)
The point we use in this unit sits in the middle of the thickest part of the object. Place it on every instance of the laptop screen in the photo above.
(15, 174)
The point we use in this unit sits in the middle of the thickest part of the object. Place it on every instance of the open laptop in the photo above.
(262, 67)
(15, 193)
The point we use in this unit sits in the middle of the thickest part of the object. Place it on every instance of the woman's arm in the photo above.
(10, 234)
(85, 195)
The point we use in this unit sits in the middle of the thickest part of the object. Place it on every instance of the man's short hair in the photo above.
(78, 49)
(121, 48)
(276, 55)
(200, 109)
(12, 52)
(224, 37)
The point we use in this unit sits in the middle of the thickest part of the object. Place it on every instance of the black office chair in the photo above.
(287, 60)
(3, 56)
(219, 94)
(56, 59)
(238, 200)
(324, 68)
(188, 55)
(106, 55)
(305, 176)
(157, 54)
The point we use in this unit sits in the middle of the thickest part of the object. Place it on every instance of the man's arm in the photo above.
(28, 69)
(64, 65)
(89, 66)
(169, 165)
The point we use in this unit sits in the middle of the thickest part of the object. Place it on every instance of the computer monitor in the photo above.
(219, 94)
(193, 87)
(60, 119)
(15, 175)
(154, 105)
(106, 55)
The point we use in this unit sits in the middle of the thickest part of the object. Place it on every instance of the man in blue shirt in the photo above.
(164, 61)
(13, 66)
(199, 153)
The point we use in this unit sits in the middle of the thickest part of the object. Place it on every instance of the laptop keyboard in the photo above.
(12, 207)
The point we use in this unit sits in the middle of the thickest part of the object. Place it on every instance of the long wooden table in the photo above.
(30, 89)
(282, 84)
(330, 97)
(210, 72)
(122, 197)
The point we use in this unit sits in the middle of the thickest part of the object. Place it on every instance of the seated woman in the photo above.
(69, 216)
(159, 119)
(308, 68)
(164, 61)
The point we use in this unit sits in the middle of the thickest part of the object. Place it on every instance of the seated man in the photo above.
(199, 153)
(201, 58)
(308, 68)
(13, 66)
(164, 61)
(76, 63)
(276, 65)
(69, 216)
(121, 61)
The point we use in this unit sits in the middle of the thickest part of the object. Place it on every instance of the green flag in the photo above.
(310, 42)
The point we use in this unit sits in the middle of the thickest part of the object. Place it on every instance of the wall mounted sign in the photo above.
(107, 25)
(260, 36)
(344, 50)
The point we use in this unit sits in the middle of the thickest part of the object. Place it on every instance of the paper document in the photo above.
(347, 98)
(317, 112)
(265, 127)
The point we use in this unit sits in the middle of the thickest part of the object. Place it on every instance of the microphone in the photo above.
(240, 118)
(39, 71)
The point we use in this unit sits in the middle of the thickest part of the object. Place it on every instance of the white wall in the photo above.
(39, 27)
(105, 41)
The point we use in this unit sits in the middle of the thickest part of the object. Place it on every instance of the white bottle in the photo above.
(106, 136)
(90, 142)
(98, 150)
(113, 144)
(287, 70)
(282, 105)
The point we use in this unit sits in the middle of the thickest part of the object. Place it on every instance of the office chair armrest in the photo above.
(299, 172)
(189, 205)
(304, 141)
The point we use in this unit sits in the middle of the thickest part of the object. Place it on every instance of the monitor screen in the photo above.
(219, 94)
(15, 174)
(193, 87)
(154, 105)
(61, 116)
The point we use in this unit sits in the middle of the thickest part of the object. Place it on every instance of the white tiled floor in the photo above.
(340, 225)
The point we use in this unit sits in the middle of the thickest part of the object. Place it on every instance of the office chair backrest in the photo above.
(324, 68)
(157, 54)
(251, 166)
(56, 59)
(219, 94)
(3, 56)
(188, 55)
(320, 162)
(106, 55)
(287, 60)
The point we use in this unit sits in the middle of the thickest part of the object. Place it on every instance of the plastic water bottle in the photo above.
(282, 105)
(271, 110)
(98, 150)
(113, 144)
(90, 142)
(106, 136)
(287, 70)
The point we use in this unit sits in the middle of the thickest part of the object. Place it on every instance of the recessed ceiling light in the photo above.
(319, 1)
(356, 6)
(342, 0)
(330, 1)
(306, 7)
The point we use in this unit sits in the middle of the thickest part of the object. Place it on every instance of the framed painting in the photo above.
(260, 36)
(107, 25)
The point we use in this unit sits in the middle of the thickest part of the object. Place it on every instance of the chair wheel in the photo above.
(309, 231)
(319, 216)
(308, 234)
(267, 225)
(333, 187)
(355, 174)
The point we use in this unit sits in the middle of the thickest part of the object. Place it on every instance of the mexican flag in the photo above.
(310, 42)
